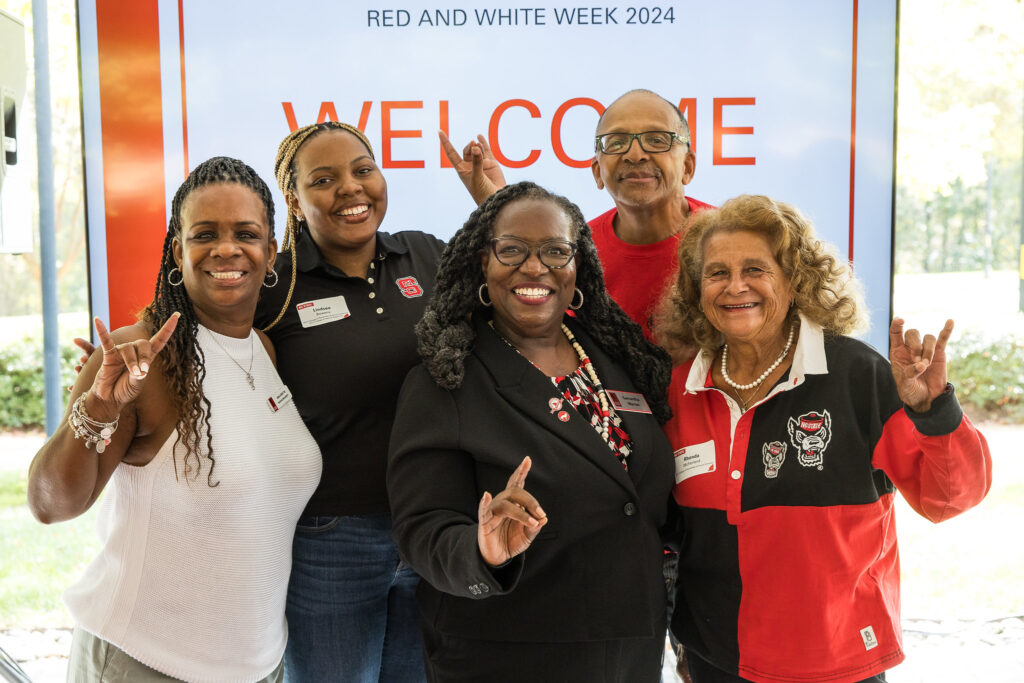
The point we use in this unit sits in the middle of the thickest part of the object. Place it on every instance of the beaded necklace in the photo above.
(604, 428)
(606, 413)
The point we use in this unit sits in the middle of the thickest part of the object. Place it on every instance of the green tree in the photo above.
(961, 91)
(20, 286)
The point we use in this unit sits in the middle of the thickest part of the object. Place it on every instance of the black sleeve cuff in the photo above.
(942, 418)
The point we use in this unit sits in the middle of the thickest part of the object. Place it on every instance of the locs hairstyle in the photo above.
(446, 336)
(183, 359)
(284, 172)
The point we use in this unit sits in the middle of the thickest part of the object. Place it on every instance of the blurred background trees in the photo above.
(960, 140)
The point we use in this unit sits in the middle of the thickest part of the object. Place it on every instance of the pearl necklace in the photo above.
(764, 375)
(606, 413)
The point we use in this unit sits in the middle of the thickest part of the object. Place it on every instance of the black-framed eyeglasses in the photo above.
(653, 141)
(512, 251)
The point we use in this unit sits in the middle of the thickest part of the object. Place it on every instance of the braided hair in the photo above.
(445, 336)
(285, 172)
(183, 364)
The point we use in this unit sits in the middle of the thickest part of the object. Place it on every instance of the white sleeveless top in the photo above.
(191, 579)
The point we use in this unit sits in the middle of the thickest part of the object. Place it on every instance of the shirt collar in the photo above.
(808, 359)
(310, 258)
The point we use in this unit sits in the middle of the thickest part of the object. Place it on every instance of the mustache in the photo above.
(641, 172)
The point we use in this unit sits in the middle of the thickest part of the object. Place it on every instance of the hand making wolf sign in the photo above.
(510, 521)
(918, 366)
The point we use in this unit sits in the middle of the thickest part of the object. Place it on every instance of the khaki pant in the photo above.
(94, 659)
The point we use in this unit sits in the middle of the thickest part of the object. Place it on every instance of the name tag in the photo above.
(321, 311)
(279, 399)
(628, 401)
(694, 460)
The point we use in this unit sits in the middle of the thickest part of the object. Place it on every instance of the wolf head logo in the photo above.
(773, 454)
(811, 433)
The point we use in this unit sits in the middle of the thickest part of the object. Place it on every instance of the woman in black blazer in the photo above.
(528, 475)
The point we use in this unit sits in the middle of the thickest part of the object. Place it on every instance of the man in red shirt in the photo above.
(646, 175)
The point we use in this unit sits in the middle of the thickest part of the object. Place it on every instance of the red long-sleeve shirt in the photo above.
(789, 569)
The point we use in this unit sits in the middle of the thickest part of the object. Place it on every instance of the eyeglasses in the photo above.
(653, 141)
(512, 251)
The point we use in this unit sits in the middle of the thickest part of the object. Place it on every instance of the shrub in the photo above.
(22, 383)
(989, 376)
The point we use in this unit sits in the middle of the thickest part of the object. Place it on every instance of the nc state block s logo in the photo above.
(409, 286)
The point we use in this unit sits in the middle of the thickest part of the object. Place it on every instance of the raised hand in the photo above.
(125, 366)
(918, 366)
(87, 349)
(478, 170)
(510, 521)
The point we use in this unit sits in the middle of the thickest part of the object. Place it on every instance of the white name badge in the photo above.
(279, 399)
(321, 311)
(694, 460)
(628, 401)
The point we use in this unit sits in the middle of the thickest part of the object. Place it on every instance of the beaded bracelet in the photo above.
(93, 431)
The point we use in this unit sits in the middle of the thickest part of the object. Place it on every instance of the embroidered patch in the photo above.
(773, 454)
(810, 434)
(410, 287)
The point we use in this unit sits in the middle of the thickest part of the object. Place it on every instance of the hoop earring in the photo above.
(268, 285)
(171, 282)
(480, 295)
(578, 306)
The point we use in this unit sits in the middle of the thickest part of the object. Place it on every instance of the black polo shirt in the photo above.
(344, 347)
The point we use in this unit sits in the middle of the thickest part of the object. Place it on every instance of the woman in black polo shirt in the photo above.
(343, 330)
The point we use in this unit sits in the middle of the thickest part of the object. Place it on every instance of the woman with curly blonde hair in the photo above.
(790, 441)
(824, 289)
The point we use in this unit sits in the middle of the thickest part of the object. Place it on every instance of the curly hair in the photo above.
(284, 173)
(183, 363)
(445, 335)
(823, 286)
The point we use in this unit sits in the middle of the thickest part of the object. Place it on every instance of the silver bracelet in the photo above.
(93, 431)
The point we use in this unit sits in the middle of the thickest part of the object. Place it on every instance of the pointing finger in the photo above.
(101, 331)
(896, 332)
(449, 148)
(944, 335)
(159, 340)
(518, 478)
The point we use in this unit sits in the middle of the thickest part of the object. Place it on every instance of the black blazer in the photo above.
(595, 570)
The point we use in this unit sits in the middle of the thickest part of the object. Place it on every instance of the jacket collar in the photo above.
(808, 359)
(529, 390)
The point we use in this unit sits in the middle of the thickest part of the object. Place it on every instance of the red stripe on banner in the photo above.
(127, 36)
(853, 124)
(184, 112)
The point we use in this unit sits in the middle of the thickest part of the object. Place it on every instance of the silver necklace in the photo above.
(252, 354)
(764, 375)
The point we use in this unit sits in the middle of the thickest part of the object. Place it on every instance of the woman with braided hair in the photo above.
(343, 330)
(528, 473)
(208, 465)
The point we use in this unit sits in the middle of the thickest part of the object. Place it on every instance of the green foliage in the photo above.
(958, 199)
(22, 383)
(989, 376)
(13, 488)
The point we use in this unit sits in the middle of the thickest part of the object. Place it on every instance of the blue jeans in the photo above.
(352, 613)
